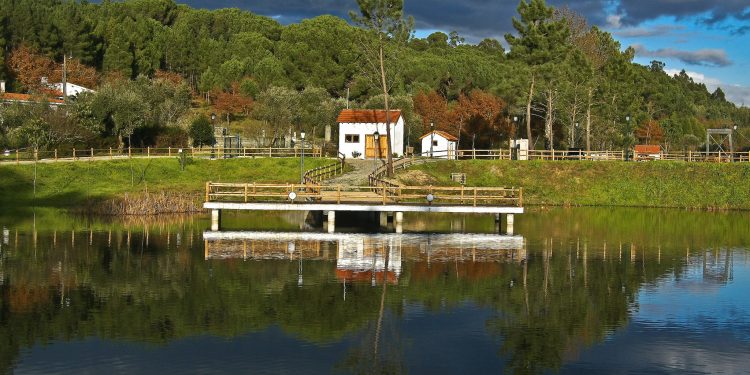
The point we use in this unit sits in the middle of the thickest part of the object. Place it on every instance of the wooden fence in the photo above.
(319, 174)
(26, 155)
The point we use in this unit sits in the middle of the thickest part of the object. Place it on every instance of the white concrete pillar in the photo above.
(383, 219)
(509, 224)
(399, 222)
(331, 221)
(215, 220)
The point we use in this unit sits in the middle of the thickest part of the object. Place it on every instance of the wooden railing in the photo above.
(319, 174)
(25, 155)
(403, 195)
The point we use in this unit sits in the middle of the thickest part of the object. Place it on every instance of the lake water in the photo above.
(574, 291)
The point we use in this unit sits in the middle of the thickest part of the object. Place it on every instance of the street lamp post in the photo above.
(514, 151)
(376, 136)
(213, 127)
(302, 159)
(432, 138)
(627, 146)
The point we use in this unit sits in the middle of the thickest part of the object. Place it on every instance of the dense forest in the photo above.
(159, 68)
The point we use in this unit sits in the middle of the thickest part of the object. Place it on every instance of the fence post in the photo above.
(208, 185)
(36, 154)
(129, 152)
(148, 152)
(55, 154)
(74, 154)
(270, 152)
(245, 193)
(169, 151)
(16, 156)
(92, 154)
(475, 197)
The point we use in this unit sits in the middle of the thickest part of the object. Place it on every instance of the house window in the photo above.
(434, 143)
(351, 138)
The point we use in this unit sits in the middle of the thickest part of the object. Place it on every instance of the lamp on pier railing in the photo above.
(376, 137)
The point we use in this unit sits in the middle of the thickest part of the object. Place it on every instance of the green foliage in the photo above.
(591, 183)
(201, 132)
(582, 69)
(74, 184)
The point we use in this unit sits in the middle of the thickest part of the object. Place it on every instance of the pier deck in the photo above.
(390, 199)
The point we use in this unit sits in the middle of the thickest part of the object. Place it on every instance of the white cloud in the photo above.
(614, 21)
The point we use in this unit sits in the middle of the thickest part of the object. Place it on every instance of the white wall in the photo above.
(440, 150)
(397, 137)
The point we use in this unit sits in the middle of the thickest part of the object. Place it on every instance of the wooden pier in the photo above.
(388, 199)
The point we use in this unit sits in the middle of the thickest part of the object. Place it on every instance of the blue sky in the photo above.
(710, 39)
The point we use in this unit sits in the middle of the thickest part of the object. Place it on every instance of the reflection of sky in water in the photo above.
(687, 325)
(699, 304)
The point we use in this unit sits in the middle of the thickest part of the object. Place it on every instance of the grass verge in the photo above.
(72, 184)
(591, 183)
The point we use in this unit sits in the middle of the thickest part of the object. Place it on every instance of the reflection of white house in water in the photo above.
(360, 260)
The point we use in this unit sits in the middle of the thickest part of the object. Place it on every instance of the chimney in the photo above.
(2, 87)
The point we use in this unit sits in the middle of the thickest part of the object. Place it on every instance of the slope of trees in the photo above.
(559, 70)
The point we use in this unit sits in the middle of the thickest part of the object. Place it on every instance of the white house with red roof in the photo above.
(439, 144)
(359, 129)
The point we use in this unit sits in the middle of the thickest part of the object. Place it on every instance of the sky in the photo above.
(709, 39)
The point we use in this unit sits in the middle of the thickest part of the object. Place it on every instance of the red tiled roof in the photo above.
(441, 133)
(647, 149)
(367, 116)
(14, 97)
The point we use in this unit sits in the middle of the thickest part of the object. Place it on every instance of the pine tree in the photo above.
(541, 43)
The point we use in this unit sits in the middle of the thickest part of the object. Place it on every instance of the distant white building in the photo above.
(357, 133)
(73, 89)
(439, 144)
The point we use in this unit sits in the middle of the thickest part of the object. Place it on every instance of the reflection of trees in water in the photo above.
(379, 349)
(157, 287)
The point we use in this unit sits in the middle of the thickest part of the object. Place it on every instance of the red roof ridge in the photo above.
(367, 116)
(441, 133)
(26, 98)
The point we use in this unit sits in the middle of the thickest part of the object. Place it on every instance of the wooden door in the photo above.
(371, 148)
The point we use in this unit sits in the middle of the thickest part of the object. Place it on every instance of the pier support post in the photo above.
(331, 221)
(509, 224)
(398, 220)
(215, 220)
(383, 219)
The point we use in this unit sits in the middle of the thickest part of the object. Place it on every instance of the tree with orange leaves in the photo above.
(478, 115)
(29, 67)
(232, 102)
(433, 109)
(650, 132)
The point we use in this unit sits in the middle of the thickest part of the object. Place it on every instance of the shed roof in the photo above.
(647, 149)
(441, 133)
(367, 116)
(15, 97)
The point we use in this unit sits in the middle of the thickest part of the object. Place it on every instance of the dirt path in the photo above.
(358, 176)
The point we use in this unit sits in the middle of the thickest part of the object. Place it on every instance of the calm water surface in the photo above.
(575, 291)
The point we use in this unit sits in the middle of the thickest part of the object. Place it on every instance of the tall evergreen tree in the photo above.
(540, 44)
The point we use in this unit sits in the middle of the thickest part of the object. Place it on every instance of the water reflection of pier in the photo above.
(362, 257)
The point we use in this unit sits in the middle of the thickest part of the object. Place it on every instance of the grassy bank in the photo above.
(74, 184)
(582, 183)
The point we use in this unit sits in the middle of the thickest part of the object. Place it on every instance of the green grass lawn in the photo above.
(591, 183)
(72, 183)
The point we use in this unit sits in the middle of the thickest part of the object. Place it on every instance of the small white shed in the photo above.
(439, 144)
(357, 128)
